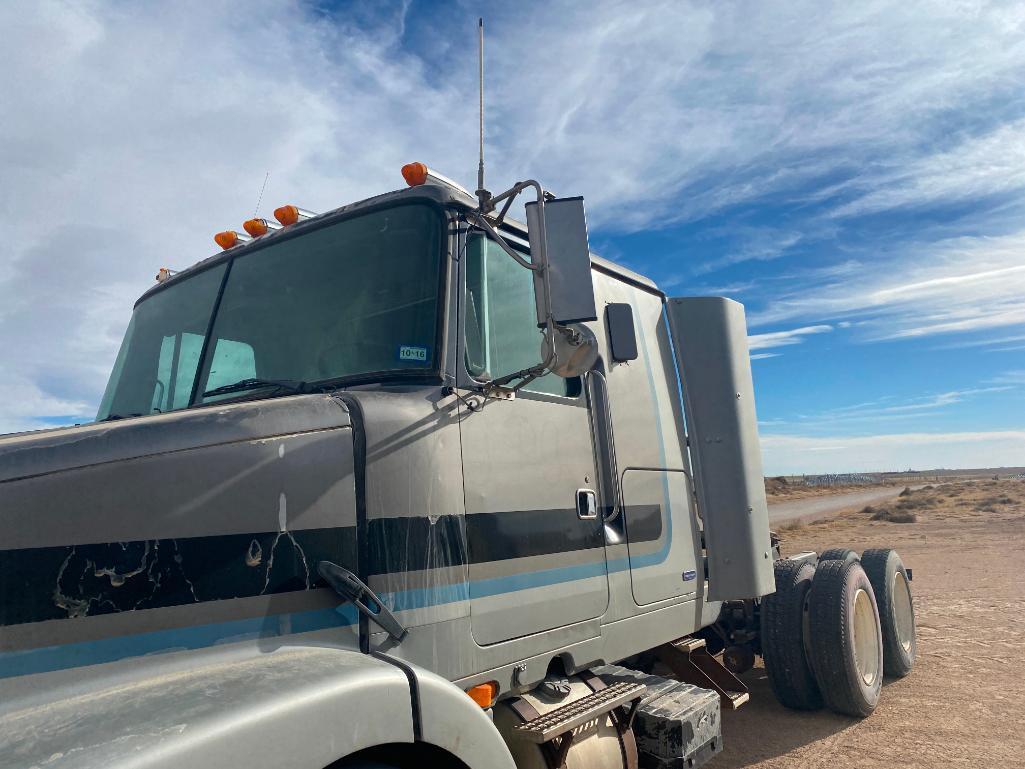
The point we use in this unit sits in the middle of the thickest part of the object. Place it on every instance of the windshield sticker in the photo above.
(409, 353)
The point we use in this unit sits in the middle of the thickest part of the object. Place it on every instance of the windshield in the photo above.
(356, 298)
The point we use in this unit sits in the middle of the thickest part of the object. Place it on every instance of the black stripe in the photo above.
(416, 543)
(643, 522)
(522, 533)
(47, 583)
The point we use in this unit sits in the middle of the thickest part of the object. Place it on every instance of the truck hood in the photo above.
(163, 521)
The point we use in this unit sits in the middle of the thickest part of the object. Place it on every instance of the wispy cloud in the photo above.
(796, 454)
(140, 115)
(882, 414)
(958, 285)
(1010, 378)
(784, 338)
(984, 166)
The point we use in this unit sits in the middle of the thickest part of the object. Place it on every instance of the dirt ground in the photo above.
(780, 491)
(963, 704)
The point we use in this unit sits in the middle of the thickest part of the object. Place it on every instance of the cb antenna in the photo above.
(483, 196)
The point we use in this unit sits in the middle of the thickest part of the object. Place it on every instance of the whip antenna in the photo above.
(483, 196)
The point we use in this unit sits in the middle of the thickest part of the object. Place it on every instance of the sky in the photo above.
(854, 173)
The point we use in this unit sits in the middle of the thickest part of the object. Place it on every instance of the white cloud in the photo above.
(957, 285)
(784, 338)
(797, 454)
(979, 167)
(883, 413)
(132, 132)
(1010, 378)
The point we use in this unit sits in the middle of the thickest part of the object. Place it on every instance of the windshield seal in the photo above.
(432, 374)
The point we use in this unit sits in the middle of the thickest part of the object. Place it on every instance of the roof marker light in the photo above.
(289, 215)
(230, 239)
(415, 174)
(257, 227)
(165, 273)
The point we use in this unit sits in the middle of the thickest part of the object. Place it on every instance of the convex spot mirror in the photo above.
(557, 231)
(576, 351)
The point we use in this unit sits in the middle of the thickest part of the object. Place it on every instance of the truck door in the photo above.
(535, 543)
(656, 494)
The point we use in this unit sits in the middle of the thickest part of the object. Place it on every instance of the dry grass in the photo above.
(894, 516)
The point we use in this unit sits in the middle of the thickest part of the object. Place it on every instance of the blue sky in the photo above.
(853, 173)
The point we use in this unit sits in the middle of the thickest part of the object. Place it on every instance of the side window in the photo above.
(501, 330)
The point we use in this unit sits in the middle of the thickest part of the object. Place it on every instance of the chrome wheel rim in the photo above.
(904, 614)
(867, 654)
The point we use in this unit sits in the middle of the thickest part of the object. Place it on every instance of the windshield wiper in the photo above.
(115, 417)
(252, 383)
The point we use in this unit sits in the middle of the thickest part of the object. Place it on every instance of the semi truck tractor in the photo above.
(410, 483)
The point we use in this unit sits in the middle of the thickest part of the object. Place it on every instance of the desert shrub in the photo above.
(795, 525)
(894, 516)
(906, 492)
(868, 510)
(915, 503)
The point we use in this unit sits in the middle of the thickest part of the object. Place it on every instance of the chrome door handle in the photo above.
(587, 505)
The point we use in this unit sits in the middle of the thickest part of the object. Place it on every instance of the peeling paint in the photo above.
(254, 555)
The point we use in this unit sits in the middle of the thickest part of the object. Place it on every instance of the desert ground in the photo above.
(963, 704)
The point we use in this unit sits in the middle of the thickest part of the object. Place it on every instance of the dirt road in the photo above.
(962, 705)
(819, 507)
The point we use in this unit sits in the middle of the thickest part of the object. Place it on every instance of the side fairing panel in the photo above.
(710, 334)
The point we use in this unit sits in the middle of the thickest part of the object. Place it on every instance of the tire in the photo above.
(838, 554)
(846, 644)
(890, 582)
(782, 637)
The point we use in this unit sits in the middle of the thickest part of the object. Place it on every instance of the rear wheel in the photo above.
(889, 580)
(782, 637)
(846, 645)
(838, 554)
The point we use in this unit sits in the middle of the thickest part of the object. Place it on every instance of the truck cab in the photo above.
(306, 521)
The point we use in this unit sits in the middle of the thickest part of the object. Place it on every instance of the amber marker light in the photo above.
(415, 174)
(257, 227)
(227, 239)
(287, 215)
(484, 694)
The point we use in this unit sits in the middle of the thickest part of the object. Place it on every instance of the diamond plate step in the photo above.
(569, 717)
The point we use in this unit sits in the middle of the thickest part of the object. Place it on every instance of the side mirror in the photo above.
(557, 231)
(576, 351)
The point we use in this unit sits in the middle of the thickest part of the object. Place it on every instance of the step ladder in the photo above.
(554, 729)
(690, 661)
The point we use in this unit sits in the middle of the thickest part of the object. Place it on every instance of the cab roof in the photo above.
(437, 193)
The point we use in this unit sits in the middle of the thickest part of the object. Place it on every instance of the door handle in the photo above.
(587, 505)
